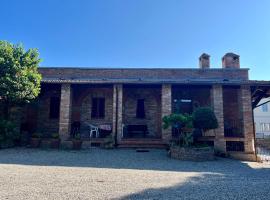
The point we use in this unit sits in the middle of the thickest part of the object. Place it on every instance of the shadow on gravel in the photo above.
(120, 159)
(209, 187)
(220, 179)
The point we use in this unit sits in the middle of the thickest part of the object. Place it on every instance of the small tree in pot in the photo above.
(55, 141)
(204, 119)
(182, 123)
(186, 148)
(77, 142)
(109, 142)
(35, 140)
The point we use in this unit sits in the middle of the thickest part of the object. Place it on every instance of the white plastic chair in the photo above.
(93, 129)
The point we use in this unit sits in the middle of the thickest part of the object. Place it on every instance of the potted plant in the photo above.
(55, 141)
(182, 123)
(185, 148)
(109, 142)
(204, 119)
(77, 142)
(35, 140)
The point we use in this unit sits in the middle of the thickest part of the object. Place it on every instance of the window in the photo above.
(98, 108)
(54, 107)
(235, 146)
(264, 127)
(265, 108)
(140, 112)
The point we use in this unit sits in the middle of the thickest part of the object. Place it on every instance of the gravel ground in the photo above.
(126, 174)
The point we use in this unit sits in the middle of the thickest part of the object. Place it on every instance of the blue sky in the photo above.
(141, 33)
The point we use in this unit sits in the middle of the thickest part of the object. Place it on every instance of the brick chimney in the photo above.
(204, 61)
(230, 60)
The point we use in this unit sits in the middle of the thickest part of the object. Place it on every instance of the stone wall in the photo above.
(152, 100)
(192, 154)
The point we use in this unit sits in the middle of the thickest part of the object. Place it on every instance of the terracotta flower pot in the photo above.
(35, 142)
(55, 143)
(77, 144)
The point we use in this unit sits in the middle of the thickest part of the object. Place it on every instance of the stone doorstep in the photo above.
(85, 144)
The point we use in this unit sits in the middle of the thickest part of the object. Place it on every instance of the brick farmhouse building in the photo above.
(129, 103)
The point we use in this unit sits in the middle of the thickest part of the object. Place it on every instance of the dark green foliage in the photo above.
(109, 142)
(19, 78)
(8, 134)
(36, 135)
(19, 82)
(204, 118)
(182, 123)
(55, 135)
(177, 121)
(187, 139)
(77, 136)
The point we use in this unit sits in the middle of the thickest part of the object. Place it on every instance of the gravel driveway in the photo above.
(126, 174)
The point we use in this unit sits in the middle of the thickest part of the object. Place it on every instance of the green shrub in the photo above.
(77, 136)
(187, 139)
(180, 122)
(204, 118)
(36, 135)
(109, 142)
(55, 136)
(177, 121)
(8, 134)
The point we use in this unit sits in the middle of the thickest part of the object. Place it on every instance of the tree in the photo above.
(177, 121)
(181, 123)
(204, 118)
(19, 77)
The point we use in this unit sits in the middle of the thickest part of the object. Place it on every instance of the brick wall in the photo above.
(166, 109)
(232, 108)
(217, 104)
(65, 111)
(45, 125)
(86, 107)
(152, 102)
(246, 110)
(200, 96)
